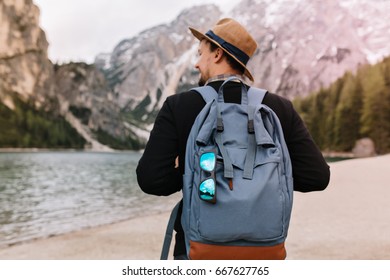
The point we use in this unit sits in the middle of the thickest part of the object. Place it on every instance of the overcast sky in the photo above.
(78, 30)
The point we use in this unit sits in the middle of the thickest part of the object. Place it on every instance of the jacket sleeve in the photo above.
(156, 172)
(310, 170)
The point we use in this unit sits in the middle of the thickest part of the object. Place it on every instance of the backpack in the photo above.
(237, 186)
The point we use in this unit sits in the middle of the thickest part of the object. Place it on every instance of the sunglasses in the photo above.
(207, 187)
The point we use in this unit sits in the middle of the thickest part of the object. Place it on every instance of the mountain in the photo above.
(25, 69)
(303, 45)
(87, 104)
(29, 108)
(71, 104)
(142, 71)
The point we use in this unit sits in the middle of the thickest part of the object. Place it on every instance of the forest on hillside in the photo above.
(353, 107)
(28, 127)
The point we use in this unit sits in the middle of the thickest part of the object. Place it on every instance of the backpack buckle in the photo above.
(251, 127)
(219, 125)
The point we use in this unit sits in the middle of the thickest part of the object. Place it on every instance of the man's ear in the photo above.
(218, 54)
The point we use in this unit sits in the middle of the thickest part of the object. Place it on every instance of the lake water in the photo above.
(50, 193)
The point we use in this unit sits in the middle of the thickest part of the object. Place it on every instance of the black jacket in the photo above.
(157, 174)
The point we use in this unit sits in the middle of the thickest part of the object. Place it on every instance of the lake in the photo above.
(50, 193)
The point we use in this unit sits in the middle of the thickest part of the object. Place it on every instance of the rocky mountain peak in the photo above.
(25, 69)
(305, 45)
(144, 70)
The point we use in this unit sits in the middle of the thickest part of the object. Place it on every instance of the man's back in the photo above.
(169, 137)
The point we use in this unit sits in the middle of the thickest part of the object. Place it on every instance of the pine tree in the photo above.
(347, 114)
(373, 122)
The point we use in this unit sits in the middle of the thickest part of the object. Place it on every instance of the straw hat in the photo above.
(233, 38)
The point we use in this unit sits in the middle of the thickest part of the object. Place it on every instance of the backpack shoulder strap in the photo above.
(169, 232)
(207, 92)
(256, 96)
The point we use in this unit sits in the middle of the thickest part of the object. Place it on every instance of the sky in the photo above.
(78, 30)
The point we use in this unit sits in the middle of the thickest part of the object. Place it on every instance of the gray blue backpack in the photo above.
(237, 186)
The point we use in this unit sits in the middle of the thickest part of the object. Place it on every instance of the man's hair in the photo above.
(231, 61)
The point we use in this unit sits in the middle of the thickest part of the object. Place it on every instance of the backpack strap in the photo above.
(207, 92)
(255, 97)
(169, 232)
(251, 151)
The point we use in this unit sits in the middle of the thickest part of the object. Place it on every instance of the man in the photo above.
(223, 51)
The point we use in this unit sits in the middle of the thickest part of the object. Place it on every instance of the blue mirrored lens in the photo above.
(207, 161)
(207, 189)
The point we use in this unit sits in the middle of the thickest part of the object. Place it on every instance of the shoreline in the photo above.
(349, 220)
(349, 155)
(44, 150)
(324, 153)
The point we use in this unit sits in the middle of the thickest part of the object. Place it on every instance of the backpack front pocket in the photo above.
(243, 213)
